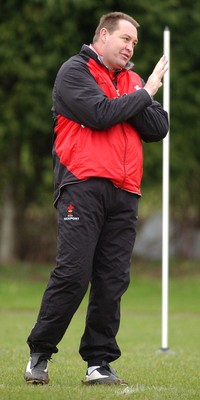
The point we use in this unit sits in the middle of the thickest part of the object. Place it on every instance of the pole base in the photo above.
(165, 350)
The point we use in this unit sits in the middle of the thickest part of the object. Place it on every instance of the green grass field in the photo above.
(152, 375)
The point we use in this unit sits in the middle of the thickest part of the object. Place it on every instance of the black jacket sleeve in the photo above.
(77, 96)
(151, 123)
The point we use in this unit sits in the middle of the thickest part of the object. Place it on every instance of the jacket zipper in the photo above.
(114, 81)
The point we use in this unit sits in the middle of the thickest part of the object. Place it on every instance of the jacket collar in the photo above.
(91, 52)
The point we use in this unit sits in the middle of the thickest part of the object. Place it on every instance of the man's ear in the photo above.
(103, 34)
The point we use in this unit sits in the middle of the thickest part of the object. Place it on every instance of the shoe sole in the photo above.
(30, 380)
(36, 382)
(105, 381)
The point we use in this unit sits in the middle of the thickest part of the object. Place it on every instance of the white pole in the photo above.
(165, 202)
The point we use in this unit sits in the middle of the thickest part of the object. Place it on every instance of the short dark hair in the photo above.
(111, 21)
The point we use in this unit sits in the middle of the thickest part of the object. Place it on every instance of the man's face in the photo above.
(119, 46)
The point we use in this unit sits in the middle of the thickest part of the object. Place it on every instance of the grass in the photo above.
(152, 375)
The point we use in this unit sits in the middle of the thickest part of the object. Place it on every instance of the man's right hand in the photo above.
(154, 81)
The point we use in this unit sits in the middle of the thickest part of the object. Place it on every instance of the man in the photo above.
(102, 111)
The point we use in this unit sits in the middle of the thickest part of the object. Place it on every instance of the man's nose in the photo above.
(129, 47)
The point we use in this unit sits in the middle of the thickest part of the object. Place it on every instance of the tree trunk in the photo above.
(7, 226)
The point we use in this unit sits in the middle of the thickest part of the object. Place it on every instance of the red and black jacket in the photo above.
(100, 121)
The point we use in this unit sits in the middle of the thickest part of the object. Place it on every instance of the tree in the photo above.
(32, 48)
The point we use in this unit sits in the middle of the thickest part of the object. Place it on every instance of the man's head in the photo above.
(115, 39)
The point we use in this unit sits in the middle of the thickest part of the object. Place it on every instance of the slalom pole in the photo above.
(165, 201)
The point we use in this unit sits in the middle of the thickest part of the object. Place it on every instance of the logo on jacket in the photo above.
(137, 87)
(70, 215)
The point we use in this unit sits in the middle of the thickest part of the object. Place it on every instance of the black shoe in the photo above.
(37, 369)
(103, 375)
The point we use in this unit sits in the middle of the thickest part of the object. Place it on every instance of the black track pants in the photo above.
(96, 234)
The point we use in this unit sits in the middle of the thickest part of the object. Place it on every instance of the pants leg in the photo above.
(110, 279)
(80, 220)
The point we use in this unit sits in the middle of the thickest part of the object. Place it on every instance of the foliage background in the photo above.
(36, 38)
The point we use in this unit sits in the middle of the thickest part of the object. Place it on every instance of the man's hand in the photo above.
(154, 80)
